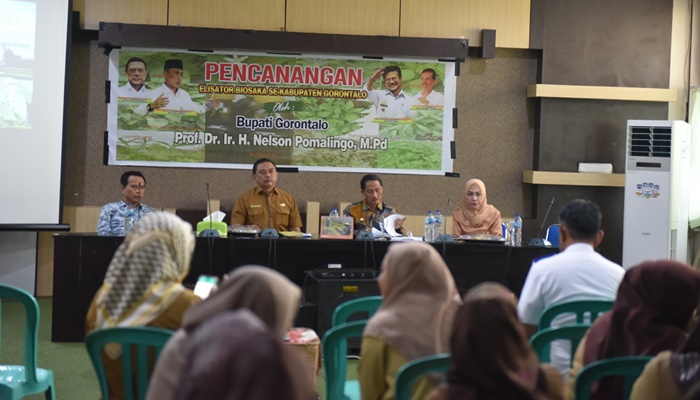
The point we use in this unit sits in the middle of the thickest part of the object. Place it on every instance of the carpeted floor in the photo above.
(74, 376)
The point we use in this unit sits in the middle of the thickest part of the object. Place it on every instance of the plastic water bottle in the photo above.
(129, 221)
(517, 230)
(429, 227)
(334, 212)
(438, 225)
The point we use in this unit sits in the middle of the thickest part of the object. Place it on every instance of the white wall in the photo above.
(18, 259)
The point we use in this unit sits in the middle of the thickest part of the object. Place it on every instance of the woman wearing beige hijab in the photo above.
(414, 320)
(475, 215)
(269, 295)
(143, 285)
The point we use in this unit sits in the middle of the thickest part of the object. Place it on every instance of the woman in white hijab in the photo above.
(414, 320)
(143, 285)
(266, 293)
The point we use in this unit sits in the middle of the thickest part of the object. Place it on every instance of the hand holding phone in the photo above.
(204, 285)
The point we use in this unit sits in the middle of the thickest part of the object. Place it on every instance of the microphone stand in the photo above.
(444, 237)
(538, 241)
(211, 232)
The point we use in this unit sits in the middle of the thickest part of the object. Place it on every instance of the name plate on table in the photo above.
(336, 227)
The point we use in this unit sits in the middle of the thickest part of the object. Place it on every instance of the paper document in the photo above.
(390, 223)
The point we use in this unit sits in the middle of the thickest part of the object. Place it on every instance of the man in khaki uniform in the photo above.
(267, 206)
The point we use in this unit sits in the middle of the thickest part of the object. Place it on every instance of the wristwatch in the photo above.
(149, 108)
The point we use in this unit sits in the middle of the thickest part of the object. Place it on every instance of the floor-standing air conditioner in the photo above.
(657, 166)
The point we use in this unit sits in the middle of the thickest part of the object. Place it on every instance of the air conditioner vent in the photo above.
(649, 141)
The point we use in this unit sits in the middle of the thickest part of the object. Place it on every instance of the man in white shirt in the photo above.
(170, 97)
(578, 272)
(136, 73)
(427, 96)
(391, 102)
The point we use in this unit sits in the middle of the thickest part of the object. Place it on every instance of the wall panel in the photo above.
(457, 18)
(357, 17)
(152, 12)
(266, 15)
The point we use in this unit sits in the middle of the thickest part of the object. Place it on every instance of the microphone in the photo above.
(444, 237)
(538, 241)
(211, 232)
(138, 204)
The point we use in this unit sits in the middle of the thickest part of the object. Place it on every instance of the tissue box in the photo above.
(220, 226)
(596, 168)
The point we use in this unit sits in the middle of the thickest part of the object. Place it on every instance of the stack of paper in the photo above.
(596, 168)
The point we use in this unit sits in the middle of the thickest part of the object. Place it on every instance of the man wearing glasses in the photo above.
(392, 102)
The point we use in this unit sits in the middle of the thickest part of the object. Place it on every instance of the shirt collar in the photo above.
(579, 247)
(259, 190)
(365, 207)
(124, 204)
(401, 94)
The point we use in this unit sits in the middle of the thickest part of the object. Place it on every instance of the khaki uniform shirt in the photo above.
(279, 210)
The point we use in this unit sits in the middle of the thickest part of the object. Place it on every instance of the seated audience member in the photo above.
(578, 272)
(233, 356)
(143, 285)
(671, 376)
(266, 206)
(651, 314)
(474, 215)
(111, 220)
(371, 211)
(266, 293)
(414, 320)
(491, 355)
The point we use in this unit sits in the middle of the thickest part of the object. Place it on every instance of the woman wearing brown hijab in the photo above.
(491, 356)
(414, 320)
(268, 294)
(233, 356)
(671, 376)
(475, 215)
(652, 310)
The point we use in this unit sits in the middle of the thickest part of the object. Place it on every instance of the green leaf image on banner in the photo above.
(144, 150)
(411, 155)
(341, 114)
(333, 157)
(427, 125)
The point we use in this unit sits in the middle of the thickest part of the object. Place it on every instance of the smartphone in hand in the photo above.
(204, 285)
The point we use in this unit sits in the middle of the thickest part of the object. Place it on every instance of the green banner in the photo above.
(321, 113)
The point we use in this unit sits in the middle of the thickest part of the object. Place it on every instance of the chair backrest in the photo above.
(335, 356)
(412, 370)
(541, 340)
(140, 339)
(553, 235)
(628, 368)
(586, 311)
(368, 304)
(31, 329)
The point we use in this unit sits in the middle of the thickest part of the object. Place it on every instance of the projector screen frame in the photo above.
(48, 225)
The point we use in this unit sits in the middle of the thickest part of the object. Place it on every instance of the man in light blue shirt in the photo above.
(112, 215)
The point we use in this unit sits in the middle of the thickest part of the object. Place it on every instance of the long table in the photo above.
(81, 261)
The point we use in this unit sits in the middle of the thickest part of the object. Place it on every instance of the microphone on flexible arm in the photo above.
(538, 241)
(444, 237)
(138, 205)
(211, 232)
